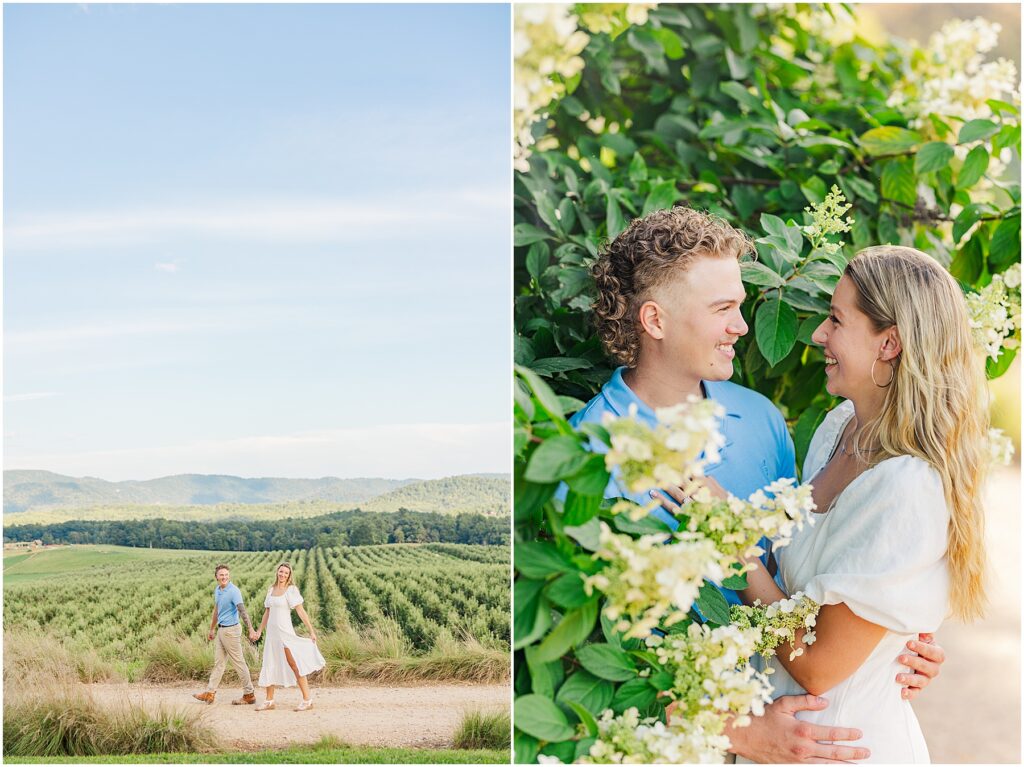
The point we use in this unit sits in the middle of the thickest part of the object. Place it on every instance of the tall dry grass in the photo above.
(48, 712)
(173, 658)
(383, 654)
(483, 729)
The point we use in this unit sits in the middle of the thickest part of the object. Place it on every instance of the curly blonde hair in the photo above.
(644, 256)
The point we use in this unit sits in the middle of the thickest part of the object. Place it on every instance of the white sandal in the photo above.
(304, 706)
(267, 705)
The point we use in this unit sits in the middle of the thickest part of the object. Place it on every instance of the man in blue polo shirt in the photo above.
(227, 629)
(669, 293)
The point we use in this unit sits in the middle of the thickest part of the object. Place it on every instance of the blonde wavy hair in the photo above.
(935, 407)
(651, 250)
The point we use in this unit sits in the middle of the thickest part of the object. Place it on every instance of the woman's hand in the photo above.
(672, 497)
(924, 666)
(312, 635)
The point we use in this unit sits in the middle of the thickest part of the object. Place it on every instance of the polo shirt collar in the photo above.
(620, 397)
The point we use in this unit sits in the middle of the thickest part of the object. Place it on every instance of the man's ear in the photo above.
(892, 346)
(652, 320)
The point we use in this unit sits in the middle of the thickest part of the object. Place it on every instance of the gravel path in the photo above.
(402, 717)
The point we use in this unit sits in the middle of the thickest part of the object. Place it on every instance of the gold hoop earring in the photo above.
(892, 369)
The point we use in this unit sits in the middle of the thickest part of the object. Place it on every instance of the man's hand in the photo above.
(925, 666)
(779, 737)
(672, 497)
(211, 635)
(253, 636)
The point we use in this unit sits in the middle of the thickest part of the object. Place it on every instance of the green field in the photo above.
(46, 563)
(118, 601)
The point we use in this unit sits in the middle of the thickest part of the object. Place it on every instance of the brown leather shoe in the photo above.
(246, 700)
(206, 697)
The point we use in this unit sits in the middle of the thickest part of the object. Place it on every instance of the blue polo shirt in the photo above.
(227, 600)
(758, 449)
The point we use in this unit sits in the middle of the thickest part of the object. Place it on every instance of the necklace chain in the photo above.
(842, 444)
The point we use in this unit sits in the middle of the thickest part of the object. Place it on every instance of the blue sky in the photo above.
(263, 240)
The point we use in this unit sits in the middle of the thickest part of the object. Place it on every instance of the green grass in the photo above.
(480, 729)
(51, 562)
(295, 755)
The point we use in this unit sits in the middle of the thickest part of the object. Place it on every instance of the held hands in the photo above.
(924, 666)
(254, 635)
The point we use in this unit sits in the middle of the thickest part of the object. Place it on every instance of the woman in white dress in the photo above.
(897, 468)
(287, 658)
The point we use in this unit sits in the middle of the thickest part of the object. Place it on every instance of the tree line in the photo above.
(343, 528)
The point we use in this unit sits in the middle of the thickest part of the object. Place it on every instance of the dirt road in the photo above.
(408, 717)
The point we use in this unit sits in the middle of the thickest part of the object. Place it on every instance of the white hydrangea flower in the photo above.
(778, 622)
(952, 78)
(994, 315)
(646, 582)
(628, 739)
(711, 671)
(669, 453)
(1000, 448)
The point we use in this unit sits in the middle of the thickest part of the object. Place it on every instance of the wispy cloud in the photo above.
(426, 450)
(288, 221)
(30, 396)
(46, 339)
(169, 268)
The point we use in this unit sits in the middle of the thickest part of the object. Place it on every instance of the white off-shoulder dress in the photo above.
(281, 634)
(881, 550)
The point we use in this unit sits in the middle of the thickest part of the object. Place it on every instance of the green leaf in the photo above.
(899, 182)
(776, 328)
(585, 716)
(533, 612)
(806, 425)
(814, 189)
(543, 677)
(606, 662)
(662, 197)
(968, 262)
(556, 458)
(591, 479)
(587, 535)
(614, 218)
(580, 509)
(637, 169)
(563, 751)
(967, 218)
(567, 591)
(756, 273)
(712, 604)
(888, 231)
(1004, 248)
(935, 155)
(859, 187)
(735, 582)
(526, 747)
(974, 167)
(636, 692)
(996, 367)
(527, 234)
(550, 365)
(889, 140)
(541, 391)
(539, 559)
(975, 130)
(807, 328)
(740, 94)
(648, 525)
(540, 717)
(573, 629)
(587, 690)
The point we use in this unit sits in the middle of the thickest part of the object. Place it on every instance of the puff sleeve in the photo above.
(266, 601)
(293, 596)
(884, 554)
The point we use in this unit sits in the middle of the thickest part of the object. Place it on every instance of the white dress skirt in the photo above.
(281, 634)
(881, 550)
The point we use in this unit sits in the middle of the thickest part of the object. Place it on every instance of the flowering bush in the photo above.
(616, 615)
(761, 113)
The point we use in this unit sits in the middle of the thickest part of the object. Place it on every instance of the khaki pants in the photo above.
(228, 646)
